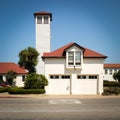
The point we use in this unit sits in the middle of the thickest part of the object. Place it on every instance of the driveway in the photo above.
(43, 107)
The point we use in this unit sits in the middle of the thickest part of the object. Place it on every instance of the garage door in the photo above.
(59, 84)
(85, 84)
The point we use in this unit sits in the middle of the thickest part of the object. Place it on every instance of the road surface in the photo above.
(104, 108)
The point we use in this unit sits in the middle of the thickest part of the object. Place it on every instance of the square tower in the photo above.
(43, 36)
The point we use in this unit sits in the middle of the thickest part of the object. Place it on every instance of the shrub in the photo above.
(10, 76)
(4, 89)
(17, 90)
(35, 81)
(111, 91)
(111, 88)
(1, 81)
(111, 84)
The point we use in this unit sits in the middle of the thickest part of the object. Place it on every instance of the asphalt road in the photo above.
(103, 108)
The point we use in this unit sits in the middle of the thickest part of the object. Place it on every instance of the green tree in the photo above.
(28, 58)
(10, 76)
(35, 81)
(116, 76)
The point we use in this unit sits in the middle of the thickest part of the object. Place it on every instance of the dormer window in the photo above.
(74, 58)
(70, 58)
(77, 58)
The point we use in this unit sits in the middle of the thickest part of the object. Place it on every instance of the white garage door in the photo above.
(85, 84)
(59, 84)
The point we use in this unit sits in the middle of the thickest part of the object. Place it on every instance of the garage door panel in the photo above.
(59, 86)
(85, 86)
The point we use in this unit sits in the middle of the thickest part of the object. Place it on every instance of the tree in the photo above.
(10, 76)
(35, 81)
(116, 76)
(28, 58)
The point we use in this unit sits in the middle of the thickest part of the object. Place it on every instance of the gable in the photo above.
(74, 48)
(87, 53)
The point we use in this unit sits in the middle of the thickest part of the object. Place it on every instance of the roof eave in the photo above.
(53, 57)
(94, 57)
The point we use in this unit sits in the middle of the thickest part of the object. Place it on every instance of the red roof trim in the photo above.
(87, 53)
(43, 13)
(112, 65)
(92, 54)
(7, 66)
(57, 53)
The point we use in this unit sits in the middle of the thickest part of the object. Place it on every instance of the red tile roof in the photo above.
(57, 53)
(43, 13)
(111, 65)
(7, 66)
(87, 53)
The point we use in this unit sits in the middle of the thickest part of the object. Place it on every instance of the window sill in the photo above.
(74, 67)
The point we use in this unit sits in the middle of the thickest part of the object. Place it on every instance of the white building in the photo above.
(71, 69)
(109, 70)
(20, 72)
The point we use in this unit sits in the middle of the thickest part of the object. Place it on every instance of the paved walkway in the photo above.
(44, 96)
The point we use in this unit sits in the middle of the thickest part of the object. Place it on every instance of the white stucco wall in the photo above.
(42, 43)
(109, 76)
(89, 67)
(18, 81)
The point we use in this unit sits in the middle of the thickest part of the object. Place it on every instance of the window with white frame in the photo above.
(65, 76)
(110, 72)
(23, 78)
(70, 58)
(54, 76)
(115, 70)
(77, 58)
(46, 20)
(39, 20)
(74, 58)
(81, 77)
(92, 77)
(106, 71)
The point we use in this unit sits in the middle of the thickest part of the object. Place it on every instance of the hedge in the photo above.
(111, 91)
(111, 84)
(17, 90)
(111, 88)
(4, 89)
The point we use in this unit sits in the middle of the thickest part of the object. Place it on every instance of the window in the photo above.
(81, 77)
(92, 77)
(70, 58)
(77, 58)
(39, 20)
(23, 78)
(65, 76)
(115, 70)
(46, 20)
(106, 71)
(1, 78)
(54, 77)
(110, 72)
(74, 58)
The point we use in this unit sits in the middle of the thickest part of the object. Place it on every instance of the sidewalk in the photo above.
(45, 96)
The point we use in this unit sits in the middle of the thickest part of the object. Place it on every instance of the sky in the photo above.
(94, 24)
